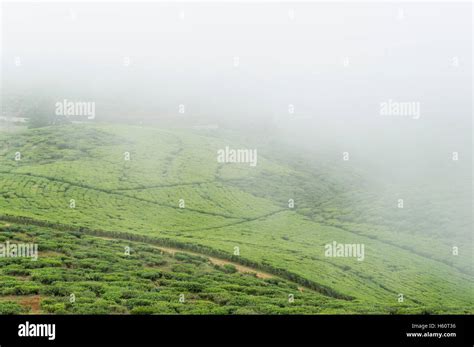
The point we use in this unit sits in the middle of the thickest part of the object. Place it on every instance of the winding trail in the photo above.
(213, 260)
(154, 242)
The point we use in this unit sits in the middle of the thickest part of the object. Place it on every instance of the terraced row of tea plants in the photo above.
(173, 191)
(78, 273)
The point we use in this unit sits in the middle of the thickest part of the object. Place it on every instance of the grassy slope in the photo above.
(231, 205)
(105, 280)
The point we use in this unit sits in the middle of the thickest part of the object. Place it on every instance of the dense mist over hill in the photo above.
(360, 117)
(314, 77)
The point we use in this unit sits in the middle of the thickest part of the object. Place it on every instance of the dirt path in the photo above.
(33, 302)
(212, 260)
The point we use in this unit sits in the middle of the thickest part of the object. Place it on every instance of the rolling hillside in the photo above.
(74, 186)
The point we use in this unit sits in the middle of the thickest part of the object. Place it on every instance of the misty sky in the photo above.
(287, 54)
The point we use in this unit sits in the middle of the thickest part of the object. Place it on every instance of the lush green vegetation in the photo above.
(103, 278)
(226, 206)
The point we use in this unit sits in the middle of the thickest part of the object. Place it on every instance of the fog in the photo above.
(312, 75)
